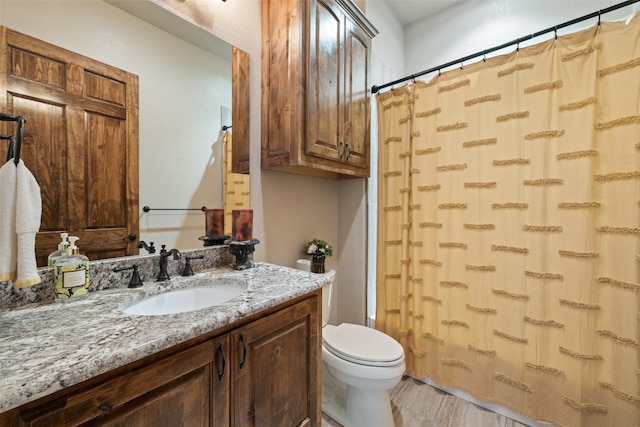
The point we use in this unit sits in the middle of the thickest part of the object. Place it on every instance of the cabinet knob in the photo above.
(105, 407)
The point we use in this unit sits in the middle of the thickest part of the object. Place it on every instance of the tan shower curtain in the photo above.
(509, 227)
(236, 185)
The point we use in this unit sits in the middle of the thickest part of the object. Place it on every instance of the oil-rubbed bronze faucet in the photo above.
(149, 248)
(164, 254)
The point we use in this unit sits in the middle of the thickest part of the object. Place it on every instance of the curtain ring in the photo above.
(439, 72)
(518, 46)
(461, 65)
(484, 56)
(555, 31)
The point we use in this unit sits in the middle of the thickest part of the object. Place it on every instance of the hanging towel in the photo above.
(28, 213)
(8, 237)
(20, 212)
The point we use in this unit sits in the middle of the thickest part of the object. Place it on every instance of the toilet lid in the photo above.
(362, 345)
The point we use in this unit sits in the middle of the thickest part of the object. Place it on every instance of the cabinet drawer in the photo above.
(109, 397)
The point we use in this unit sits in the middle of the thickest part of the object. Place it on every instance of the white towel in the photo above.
(20, 212)
(8, 237)
(28, 213)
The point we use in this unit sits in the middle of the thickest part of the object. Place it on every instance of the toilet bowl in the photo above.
(359, 366)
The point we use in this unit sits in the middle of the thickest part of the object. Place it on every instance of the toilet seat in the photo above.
(361, 345)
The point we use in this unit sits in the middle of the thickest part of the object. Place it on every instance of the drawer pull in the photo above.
(105, 407)
(244, 352)
(220, 351)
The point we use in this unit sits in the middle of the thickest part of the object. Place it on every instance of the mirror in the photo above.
(185, 99)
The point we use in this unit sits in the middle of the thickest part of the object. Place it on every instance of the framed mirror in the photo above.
(187, 80)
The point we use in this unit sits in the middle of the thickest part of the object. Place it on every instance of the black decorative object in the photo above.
(214, 240)
(242, 250)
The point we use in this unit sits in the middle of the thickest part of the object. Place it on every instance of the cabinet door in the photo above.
(355, 102)
(175, 391)
(324, 80)
(277, 369)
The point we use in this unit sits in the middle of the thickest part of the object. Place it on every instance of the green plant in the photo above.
(318, 248)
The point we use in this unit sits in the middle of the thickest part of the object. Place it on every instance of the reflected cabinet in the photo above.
(315, 87)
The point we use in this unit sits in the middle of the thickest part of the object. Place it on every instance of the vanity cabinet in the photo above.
(315, 87)
(265, 372)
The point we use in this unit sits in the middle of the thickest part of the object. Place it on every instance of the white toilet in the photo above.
(359, 366)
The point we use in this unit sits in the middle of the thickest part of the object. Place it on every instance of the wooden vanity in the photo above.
(257, 366)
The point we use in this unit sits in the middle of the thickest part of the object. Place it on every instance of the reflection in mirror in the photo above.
(184, 88)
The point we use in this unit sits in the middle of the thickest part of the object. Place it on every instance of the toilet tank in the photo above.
(326, 298)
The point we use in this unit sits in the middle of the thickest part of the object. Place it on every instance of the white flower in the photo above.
(322, 250)
(312, 249)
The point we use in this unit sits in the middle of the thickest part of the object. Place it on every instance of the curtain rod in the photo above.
(375, 89)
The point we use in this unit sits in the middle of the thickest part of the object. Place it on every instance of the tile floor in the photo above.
(416, 404)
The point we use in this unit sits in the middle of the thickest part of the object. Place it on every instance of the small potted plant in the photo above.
(319, 250)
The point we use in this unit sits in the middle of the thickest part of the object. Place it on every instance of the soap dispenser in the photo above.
(62, 250)
(71, 274)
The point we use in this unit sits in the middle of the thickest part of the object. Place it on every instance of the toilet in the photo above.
(359, 366)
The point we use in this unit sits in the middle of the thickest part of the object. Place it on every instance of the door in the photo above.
(80, 143)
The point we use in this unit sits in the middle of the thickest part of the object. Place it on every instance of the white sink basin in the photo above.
(187, 299)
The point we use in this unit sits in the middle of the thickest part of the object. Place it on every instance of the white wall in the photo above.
(182, 91)
(476, 25)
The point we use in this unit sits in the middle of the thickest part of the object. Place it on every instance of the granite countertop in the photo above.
(45, 347)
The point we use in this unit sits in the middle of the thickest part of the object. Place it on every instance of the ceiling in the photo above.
(408, 11)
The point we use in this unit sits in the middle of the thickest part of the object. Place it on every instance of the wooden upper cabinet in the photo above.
(315, 87)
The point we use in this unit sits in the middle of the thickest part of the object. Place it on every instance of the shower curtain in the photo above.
(236, 185)
(509, 227)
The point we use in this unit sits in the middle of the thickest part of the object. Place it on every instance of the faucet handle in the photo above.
(135, 281)
(188, 271)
